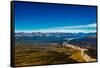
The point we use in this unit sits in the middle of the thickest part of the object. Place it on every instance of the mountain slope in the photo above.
(85, 41)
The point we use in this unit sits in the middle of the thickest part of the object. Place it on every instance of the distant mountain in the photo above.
(65, 35)
(39, 37)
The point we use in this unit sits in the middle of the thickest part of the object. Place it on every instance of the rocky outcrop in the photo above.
(79, 54)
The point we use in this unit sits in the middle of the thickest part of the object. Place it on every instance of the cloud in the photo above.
(60, 30)
(81, 26)
(68, 29)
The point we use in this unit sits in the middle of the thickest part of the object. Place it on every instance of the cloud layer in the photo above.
(68, 29)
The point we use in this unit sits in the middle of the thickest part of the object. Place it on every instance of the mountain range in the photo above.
(50, 37)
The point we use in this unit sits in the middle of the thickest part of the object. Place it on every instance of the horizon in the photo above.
(46, 18)
(55, 32)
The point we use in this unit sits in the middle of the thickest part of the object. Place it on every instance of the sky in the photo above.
(40, 17)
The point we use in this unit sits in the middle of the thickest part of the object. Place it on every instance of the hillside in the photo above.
(44, 55)
(79, 55)
(88, 42)
(85, 41)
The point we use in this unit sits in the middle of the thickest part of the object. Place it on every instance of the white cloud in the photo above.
(67, 29)
(56, 30)
(81, 26)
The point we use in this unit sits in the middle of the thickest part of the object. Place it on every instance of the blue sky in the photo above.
(37, 17)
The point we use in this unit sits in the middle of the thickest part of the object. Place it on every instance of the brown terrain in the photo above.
(44, 55)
